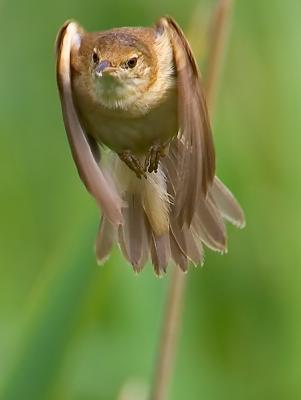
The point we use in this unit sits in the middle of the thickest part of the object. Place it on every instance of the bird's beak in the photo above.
(104, 67)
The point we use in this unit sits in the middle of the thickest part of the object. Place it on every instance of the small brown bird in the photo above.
(138, 93)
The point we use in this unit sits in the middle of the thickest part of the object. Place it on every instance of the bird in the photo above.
(135, 113)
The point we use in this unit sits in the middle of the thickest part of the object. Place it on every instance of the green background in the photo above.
(70, 330)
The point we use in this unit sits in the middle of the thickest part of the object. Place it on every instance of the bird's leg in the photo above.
(152, 159)
(132, 162)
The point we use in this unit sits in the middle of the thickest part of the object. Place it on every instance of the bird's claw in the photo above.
(152, 159)
(133, 163)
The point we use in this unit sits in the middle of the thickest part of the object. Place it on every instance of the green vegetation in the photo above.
(70, 330)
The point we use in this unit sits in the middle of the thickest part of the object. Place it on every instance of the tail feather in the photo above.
(209, 225)
(178, 255)
(160, 252)
(210, 242)
(154, 225)
(227, 204)
(121, 243)
(104, 240)
(194, 247)
(188, 242)
(133, 231)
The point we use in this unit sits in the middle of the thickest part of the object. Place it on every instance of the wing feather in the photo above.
(88, 169)
(196, 155)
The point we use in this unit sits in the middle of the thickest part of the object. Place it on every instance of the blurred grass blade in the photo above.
(50, 325)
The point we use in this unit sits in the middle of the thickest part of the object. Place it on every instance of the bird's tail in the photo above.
(151, 225)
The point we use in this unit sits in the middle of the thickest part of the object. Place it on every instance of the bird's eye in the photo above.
(132, 62)
(95, 57)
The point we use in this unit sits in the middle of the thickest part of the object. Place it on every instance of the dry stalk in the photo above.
(173, 312)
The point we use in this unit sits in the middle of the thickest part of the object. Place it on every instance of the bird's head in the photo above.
(121, 65)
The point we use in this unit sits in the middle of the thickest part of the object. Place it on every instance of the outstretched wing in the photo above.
(92, 176)
(195, 148)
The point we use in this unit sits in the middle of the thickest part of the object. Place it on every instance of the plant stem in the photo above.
(217, 42)
(175, 298)
(169, 335)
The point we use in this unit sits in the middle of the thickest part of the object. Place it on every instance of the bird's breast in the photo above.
(122, 130)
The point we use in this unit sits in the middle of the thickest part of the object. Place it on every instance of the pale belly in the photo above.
(120, 132)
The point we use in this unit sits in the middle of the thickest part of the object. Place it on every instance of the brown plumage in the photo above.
(138, 91)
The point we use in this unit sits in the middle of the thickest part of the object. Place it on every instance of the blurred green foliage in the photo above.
(70, 330)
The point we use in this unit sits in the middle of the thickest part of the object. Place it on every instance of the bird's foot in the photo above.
(133, 163)
(152, 159)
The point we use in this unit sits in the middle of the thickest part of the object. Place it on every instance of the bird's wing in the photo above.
(91, 174)
(195, 148)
